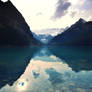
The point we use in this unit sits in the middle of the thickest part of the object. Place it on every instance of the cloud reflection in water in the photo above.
(55, 75)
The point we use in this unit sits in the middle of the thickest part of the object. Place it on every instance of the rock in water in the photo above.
(79, 33)
(13, 28)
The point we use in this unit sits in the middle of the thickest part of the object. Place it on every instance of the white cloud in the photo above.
(46, 8)
(61, 9)
(52, 31)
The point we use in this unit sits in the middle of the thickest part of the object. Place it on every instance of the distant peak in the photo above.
(81, 20)
(4, 1)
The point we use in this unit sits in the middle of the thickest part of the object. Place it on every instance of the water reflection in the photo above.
(57, 69)
(13, 62)
(78, 58)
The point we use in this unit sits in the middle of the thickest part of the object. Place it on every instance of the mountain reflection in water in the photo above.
(51, 69)
(13, 62)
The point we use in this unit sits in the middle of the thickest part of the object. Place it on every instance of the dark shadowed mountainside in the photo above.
(13, 28)
(79, 33)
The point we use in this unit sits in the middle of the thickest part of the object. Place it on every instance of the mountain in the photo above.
(79, 33)
(44, 38)
(13, 28)
(51, 31)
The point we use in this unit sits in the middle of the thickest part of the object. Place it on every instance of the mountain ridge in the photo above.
(13, 28)
(79, 33)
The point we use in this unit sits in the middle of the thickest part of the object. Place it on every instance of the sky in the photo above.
(53, 14)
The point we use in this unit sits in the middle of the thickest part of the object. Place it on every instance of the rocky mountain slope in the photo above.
(79, 33)
(13, 28)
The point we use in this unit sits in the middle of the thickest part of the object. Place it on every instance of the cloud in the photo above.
(52, 31)
(90, 18)
(39, 13)
(87, 5)
(80, 9)
(73, 14)
(61, 8)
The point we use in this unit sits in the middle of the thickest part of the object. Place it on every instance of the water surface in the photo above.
(46, 69)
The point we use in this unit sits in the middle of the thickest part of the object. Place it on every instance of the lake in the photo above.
(46, 69)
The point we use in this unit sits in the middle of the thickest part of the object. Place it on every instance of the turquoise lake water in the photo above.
(46, 69)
